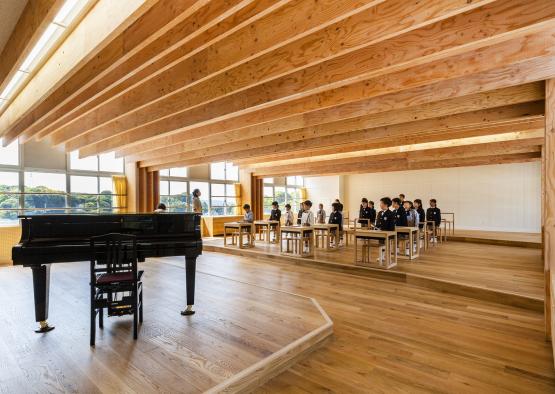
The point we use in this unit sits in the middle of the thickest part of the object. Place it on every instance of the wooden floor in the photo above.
(531, 240)
(240, 333)
(393, 337)
(513, 270)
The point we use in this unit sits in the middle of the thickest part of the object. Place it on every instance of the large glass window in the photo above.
(10, 154)
(224, 171)
(223, 199)
(174, 195)
(45, 192)
(9, 197)
(284, 191)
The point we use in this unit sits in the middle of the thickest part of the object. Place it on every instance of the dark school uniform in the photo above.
(336, 218)
(434, 215)
(299, 217)
(421, 216)
(386, 220)
(366, 213)
(400, 217)
(275, 214)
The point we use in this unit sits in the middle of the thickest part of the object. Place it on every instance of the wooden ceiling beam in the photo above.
(436, 154)
(377, 115)
(472, 30)
(287, 23)
(400, 165)
(209, 24)
(296, 139)
(34, 20)
(522, 129)
(492, 61)
(161, 16)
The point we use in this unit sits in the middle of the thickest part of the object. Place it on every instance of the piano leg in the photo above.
(190, 271)
(41, 289)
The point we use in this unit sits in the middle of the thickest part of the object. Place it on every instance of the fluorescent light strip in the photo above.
(51, 35)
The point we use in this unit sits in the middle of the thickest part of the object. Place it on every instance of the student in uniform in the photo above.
(336, 218)
(320, 214)
(385, 220)
(249, 215)
(433, 214)
(372, 212)
(307, 216)
(300, 214)
(197, 205)
(412, 216)
(289, 219)
(420, 211)
(399, 212)
(340, 205)
(365, 212)
(275, 213)
(402, 198)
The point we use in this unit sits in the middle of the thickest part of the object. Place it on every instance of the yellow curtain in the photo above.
(120, 189)
(239, 199)
(304, 194)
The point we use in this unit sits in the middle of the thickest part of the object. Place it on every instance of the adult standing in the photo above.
(197, 205)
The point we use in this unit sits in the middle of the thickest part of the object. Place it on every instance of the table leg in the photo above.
(225, 236)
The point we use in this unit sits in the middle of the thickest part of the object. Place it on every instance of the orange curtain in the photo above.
(238, 198)
(120, 191)
(149, 190)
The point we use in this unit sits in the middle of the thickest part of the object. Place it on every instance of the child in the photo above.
(288, 215)
(433, 214)
(367, 213)
(420, 212)
(412, 216)
(300, 214)
(321, 214)
(399, 212)
(160, 208)
(336, 218)
(249, 216)
(275, 213)
(307, 217)
(340, 205)
(386, 218)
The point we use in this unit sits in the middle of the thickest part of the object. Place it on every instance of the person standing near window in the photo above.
(197, 205)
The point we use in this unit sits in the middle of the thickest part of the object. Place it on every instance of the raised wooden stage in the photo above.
(242, 335)
(506, 238)
(505, 274)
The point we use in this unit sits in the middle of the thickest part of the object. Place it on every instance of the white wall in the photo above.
(497, 198)
(324, 189)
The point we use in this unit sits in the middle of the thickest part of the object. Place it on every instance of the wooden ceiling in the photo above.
(310, 87)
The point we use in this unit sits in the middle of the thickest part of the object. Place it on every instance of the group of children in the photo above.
(393, 212)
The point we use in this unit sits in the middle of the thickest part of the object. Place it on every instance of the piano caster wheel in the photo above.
(44, 327)
(188, 311)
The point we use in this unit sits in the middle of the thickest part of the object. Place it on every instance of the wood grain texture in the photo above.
(237, 339)
(549, 204)
(394, 337)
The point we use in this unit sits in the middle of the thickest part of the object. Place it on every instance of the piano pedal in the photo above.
(188, 311)
(44, 327)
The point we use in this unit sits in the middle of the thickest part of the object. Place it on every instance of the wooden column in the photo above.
(549, 204)
(149, 190)
(257, 197)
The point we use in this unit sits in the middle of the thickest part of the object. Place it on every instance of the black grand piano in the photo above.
(47, 239)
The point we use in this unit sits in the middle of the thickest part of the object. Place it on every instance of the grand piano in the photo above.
(48, 239)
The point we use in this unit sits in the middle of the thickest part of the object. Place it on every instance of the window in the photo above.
(109, 163)
(45, 192)
(87, 164)
(224, 171)
(9, 197)
(284, 191)
(174, 195)
(223, 200)
(10, 154)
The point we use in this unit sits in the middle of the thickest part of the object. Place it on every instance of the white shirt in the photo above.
(307, 218)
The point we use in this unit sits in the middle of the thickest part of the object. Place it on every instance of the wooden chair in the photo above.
(115, 282)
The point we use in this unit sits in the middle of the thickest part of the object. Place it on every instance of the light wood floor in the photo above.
(392, 337)
(500, 235)
(503, 268)
(237, 326)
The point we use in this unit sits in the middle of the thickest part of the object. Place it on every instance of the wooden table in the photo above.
(413, 234)
(389, 238)
(325, 231)
(267, 226)
(241, 228)
(295, 245)
(361, 220)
